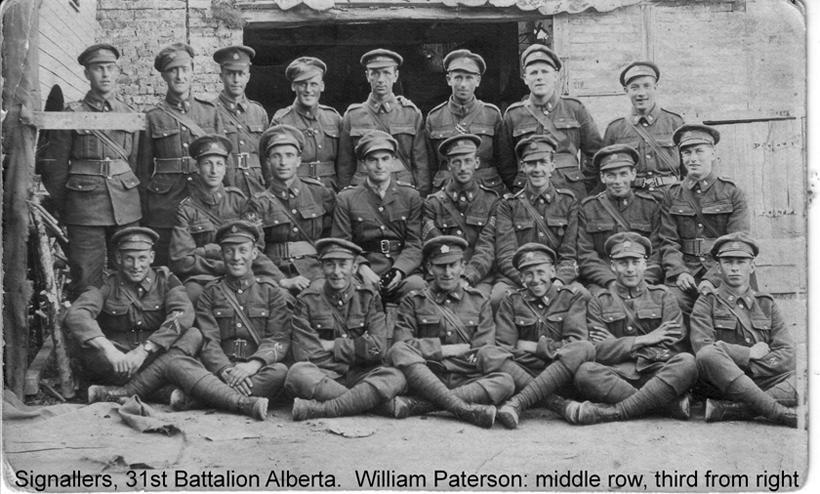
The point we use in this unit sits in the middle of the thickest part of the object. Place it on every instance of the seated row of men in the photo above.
(100, 181)
(614, 355)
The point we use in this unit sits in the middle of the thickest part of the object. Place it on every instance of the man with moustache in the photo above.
(244, 119)
(744, 351)
(293, 212)
(339, 338)
(90, 173)
(637, 331)
(537, 213)
(165, 167)
(540, 336)
(648, 128)
(462, 114)
(320, 124)
(465, 208)
(438, 331)
(619, 208)
(544, 111)
(245, 333)
(383, 216)
(195, 256)
(702, 208)
(387, 112)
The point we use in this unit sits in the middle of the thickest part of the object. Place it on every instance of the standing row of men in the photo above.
(182, 166)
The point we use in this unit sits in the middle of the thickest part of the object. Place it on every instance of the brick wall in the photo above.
(141, 28)
(64, 33)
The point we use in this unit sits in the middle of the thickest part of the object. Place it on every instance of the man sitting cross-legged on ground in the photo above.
(339, 338)
(110, 319)
(438, 331)
(637, 332)
(541, 335)
(745, 353)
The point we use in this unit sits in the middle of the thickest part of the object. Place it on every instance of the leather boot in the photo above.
(720, 410)
(681, 408)
(181, 401)
(254, 407)
(587, 412)
(509, 412)
(306, 409)
(358, 399)
(97, 393)
(406, 406)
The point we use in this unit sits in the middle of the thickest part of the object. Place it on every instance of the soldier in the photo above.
(165, 169)
(339, 338)
(320, 124)
(637, 332)
(244, 119)
(538, 213)
(745, 353)
(395, 115)
(438, 331)
(541, 335)
(701, 208)
(179, 365)
(648, 128)
(617, 209)
(293, 212)
(195, 255)
(90, 173)
(383, 216)
(465, 208)
(138, 313)
(463, 113)
(244, 319)
(544, 111)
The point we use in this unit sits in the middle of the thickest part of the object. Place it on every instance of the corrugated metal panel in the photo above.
(546, 7)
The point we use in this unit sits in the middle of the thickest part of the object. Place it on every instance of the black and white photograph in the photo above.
(461, 245)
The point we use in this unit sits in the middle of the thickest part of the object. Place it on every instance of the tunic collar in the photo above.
(98, 102)
(380, 191)
(545, 108)
(307, 112)
(385, 106)
(441, 295)
(630, 293)
(280, 189)
(650, 117)
(243, 283)
(704, 183)
(732, 297)
(146, 284)
(182, 104)
(239, 104)
(534, 195)
(468, 191)
(202, 194)
(462, 110)
(546, 299)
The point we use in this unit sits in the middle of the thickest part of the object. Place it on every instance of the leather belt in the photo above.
(183, 165)
(697, 246)
(242, 161)
(290, 250)
(383, 246)
(316, 169)
(104, 168)
(656, 181)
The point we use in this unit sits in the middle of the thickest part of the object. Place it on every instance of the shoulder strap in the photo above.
(292, 219)
(545, 122)
(451, 208)
(539, 221)
(195, 129)
(690, 199)
(216, 219)
(449, 316)
(229, 295)
(613, 212)
(650, 140)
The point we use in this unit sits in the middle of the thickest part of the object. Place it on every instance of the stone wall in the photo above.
(141, 28)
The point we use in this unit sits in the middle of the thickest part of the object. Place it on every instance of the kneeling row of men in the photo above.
(621, 348)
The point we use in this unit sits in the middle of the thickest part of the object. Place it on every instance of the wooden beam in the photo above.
(20, 97)
(63, 120)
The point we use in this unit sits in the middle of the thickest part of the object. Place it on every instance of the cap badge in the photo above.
(627, 244)
(445, 249)
(234, 229)
(236, 55)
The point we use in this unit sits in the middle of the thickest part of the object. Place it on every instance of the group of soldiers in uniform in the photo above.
(528, 260)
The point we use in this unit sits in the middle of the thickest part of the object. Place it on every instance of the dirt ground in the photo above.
(432, 452)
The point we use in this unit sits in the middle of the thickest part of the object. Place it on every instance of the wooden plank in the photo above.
(38, 365)
(90, 120)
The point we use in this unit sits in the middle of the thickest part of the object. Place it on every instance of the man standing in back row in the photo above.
(395, 115)
(244, 119)
(545, 111)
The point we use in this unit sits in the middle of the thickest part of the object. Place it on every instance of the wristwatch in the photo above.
(149, 346)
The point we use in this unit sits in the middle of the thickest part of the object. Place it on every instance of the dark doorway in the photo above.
(422, 44)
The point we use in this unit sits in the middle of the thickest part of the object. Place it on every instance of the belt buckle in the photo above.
(312, 169)
(384, 246)
(242, 161)
(239, 346)
(187, 165)
(639, 182)
(134, 337)
(105, 167)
